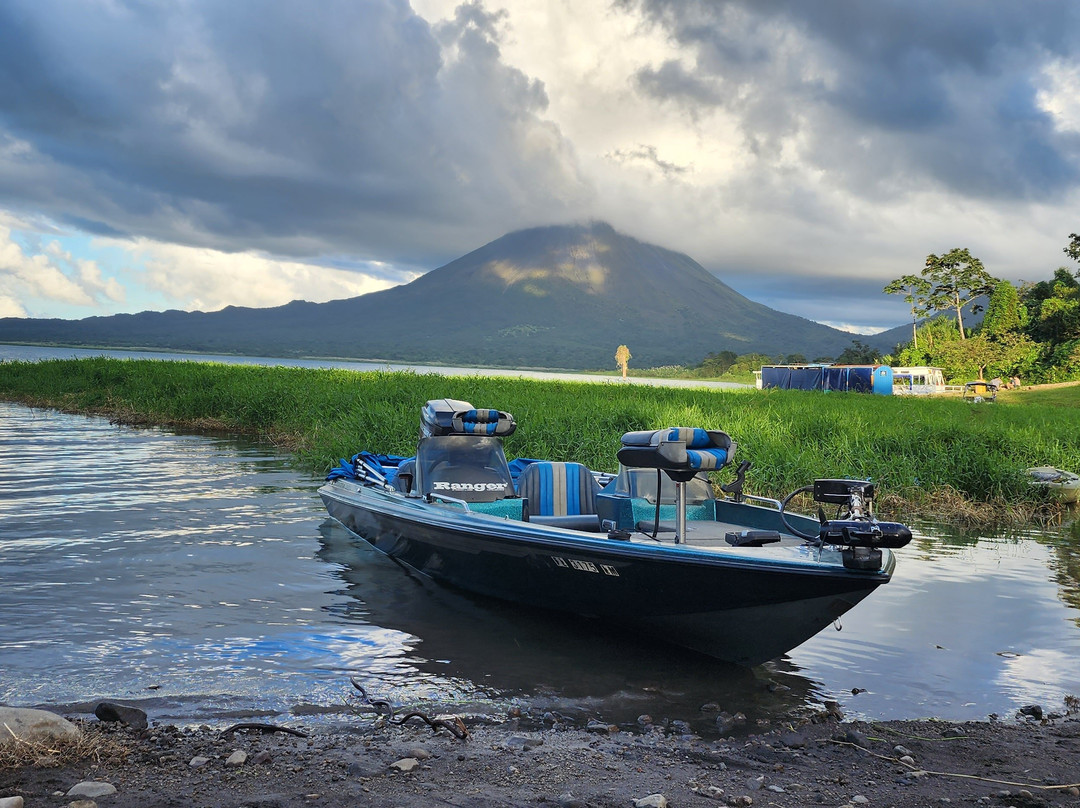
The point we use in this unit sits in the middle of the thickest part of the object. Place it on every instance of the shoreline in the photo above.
(526, 761)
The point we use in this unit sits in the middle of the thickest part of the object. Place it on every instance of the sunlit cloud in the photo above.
(196, 278)
(50, 274)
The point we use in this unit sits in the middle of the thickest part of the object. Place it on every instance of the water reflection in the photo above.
(1067, 552)
(205, 568)
(567, 664)
(970, 625)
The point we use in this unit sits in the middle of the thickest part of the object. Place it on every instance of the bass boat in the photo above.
(1061, 485)
(653, 547)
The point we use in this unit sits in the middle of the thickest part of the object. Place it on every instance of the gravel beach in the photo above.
(1027, 760)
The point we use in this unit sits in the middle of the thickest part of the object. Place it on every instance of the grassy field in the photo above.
(940, 457)
(1065, 394)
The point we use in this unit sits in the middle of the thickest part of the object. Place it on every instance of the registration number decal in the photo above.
(585, 566)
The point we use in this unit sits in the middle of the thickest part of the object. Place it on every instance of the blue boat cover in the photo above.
(386, 465)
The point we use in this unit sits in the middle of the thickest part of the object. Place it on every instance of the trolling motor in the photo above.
(855, 530)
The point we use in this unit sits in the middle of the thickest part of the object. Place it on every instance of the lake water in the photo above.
(33, 353)
(198, 577)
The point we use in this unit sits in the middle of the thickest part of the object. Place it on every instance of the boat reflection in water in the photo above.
(474, 653)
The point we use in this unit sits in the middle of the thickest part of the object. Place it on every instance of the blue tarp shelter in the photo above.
(848, 378)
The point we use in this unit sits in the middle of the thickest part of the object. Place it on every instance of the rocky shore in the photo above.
(1029, 761)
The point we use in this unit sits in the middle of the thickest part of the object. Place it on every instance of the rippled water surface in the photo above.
(198, 577)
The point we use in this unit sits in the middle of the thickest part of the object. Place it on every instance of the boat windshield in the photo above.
(465, 467)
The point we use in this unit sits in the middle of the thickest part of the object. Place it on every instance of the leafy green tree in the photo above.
(1054, 308)
(1033, 294)
(1073, 249)
(717, 364)
(933, 333)
(957, 278)
(752, 361)
(1005, 314)
(795, 359)
(916, 292)
(1059, 318)
(1063, 362)
(858, 354)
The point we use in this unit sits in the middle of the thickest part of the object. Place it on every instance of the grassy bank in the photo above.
(937, 456)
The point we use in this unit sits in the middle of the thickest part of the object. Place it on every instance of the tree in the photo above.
(958, 278)
(1073, 250)
(981, 356)
(858, 354)
(622, 359)
(1005, 314)
(1054, 308)
(717, 364)
(916, 294)
(934, 333)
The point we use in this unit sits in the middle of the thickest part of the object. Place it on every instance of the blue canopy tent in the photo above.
(876, 379)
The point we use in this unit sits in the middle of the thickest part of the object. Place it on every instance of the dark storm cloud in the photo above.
(836, 300)
(303, 129)
(672, 80)
(886, 95)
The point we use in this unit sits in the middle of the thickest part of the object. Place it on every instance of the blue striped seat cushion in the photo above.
(558, 489)
(701, 450)
(482, 422)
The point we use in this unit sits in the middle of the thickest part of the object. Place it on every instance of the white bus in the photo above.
(918, 381)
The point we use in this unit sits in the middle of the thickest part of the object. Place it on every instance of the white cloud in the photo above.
(49, 275)
(197, 278)
(757, 142)
(1060, 95)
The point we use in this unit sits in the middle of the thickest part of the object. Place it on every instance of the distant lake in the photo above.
(31, 353)
(200, 578)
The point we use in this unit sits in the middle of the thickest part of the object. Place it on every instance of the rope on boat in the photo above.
(454, 725)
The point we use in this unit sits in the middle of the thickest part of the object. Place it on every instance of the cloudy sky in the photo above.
(194, 154)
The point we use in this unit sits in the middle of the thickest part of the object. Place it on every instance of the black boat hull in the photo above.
(741, 606)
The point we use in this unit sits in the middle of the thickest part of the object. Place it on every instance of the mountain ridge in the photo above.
(562, 296)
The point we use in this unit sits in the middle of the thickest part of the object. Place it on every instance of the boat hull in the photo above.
(1063, 486)
(740, 606)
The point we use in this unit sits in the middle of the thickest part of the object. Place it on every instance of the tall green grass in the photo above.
(920, 451)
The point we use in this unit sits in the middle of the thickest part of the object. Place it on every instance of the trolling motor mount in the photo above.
(855, 530)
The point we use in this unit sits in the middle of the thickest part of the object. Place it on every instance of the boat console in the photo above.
(448, 416)
(459, 455)
(681, 454)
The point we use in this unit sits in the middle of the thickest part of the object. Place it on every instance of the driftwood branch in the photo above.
(454, 726)
(263, 728)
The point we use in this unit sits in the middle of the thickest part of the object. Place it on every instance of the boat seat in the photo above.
(406, 471)
(679, 450)
(562, 494)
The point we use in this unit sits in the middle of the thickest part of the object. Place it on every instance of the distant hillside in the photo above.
(886, 341)
(560, 297)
